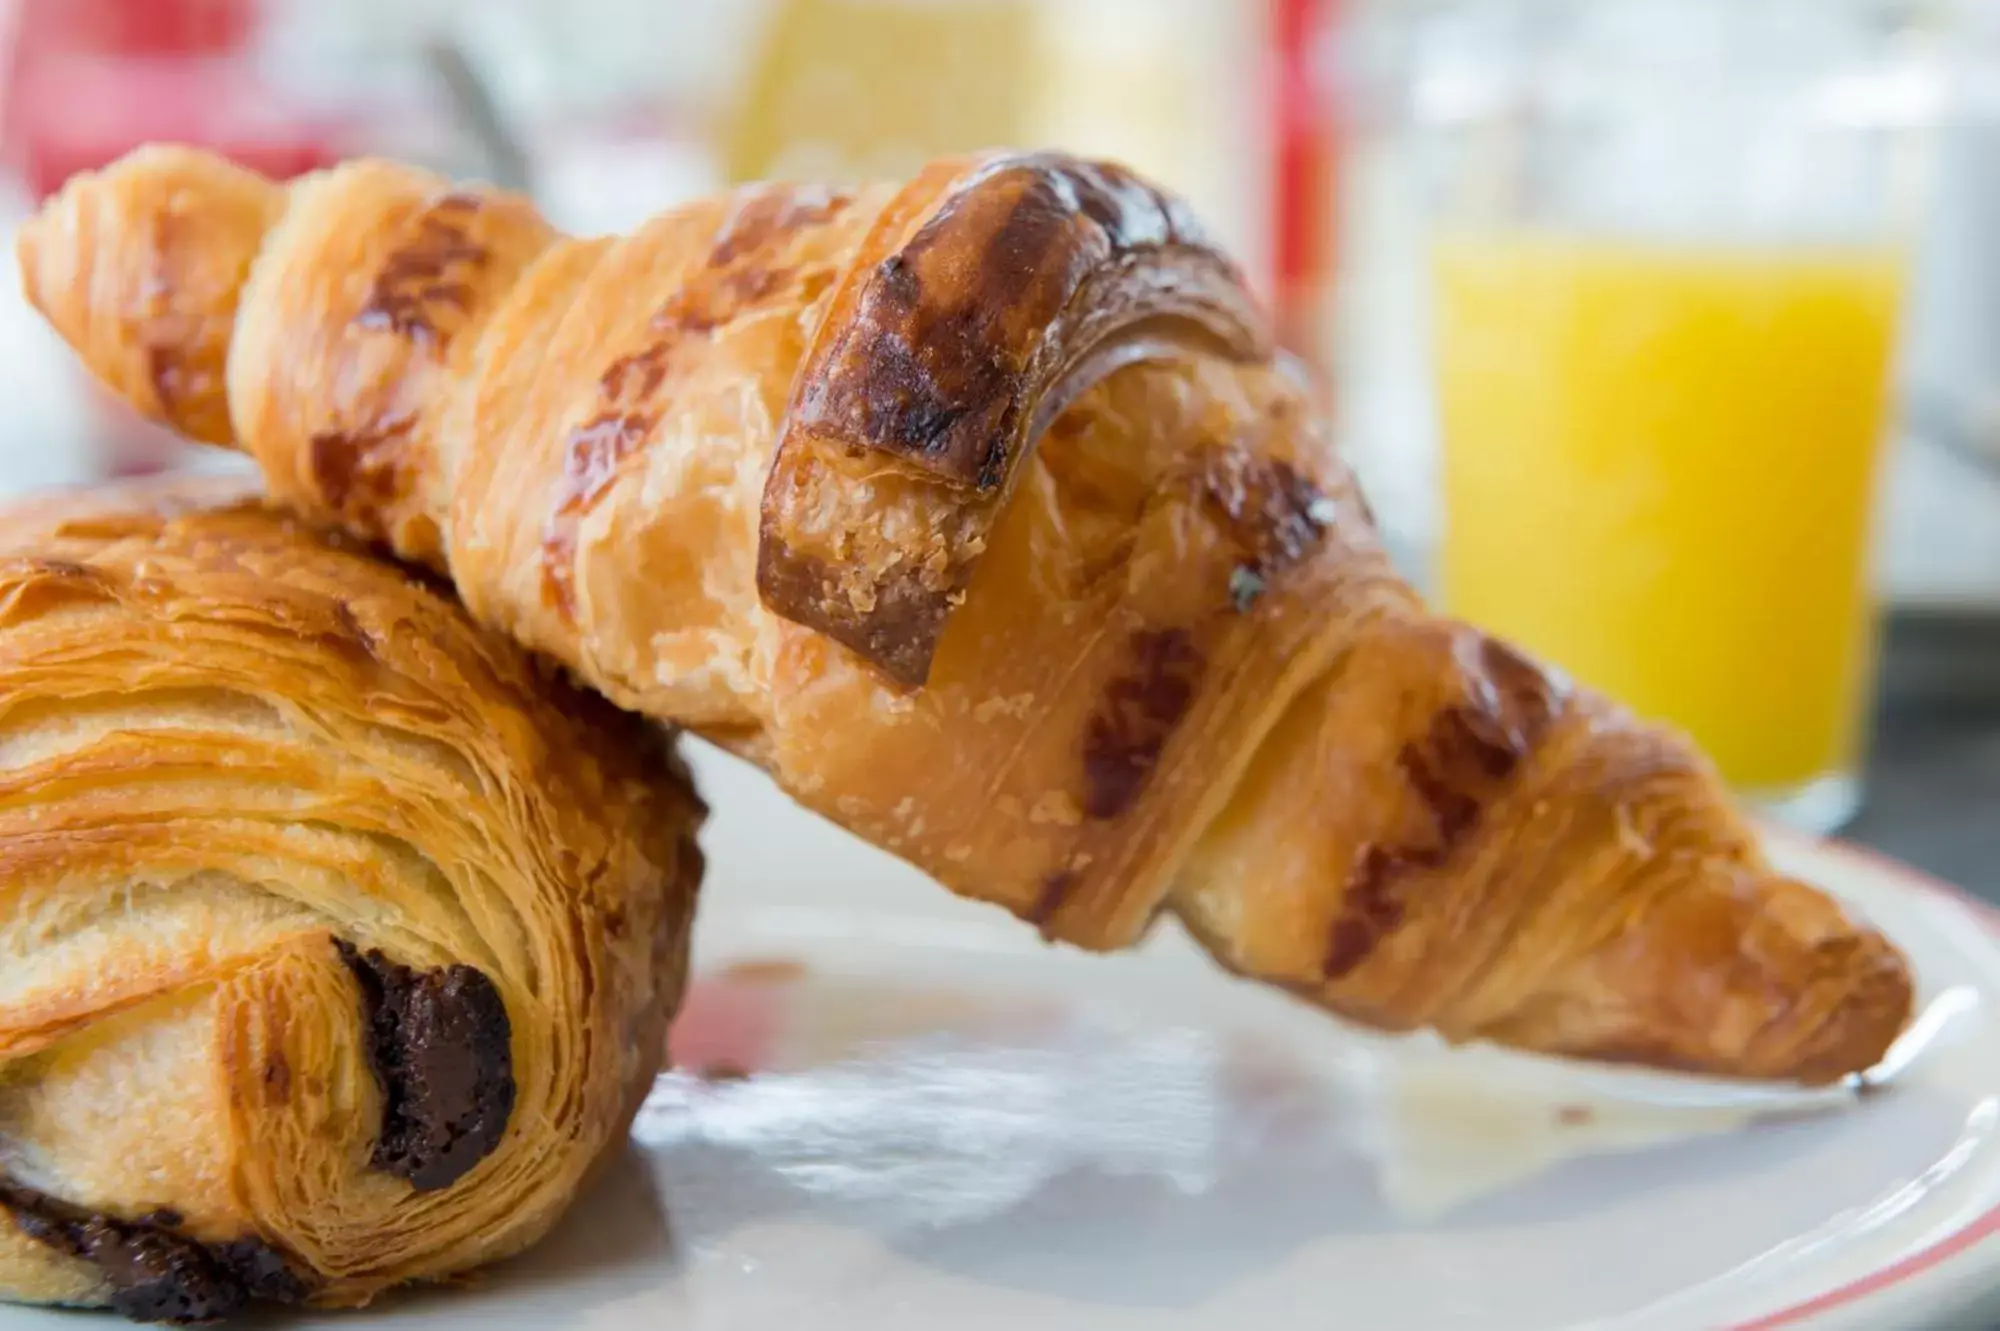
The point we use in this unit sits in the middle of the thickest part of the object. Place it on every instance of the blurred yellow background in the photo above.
(1660, 467)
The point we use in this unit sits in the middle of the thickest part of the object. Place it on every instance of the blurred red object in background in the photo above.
(149, 27)
(86, 81)
(1306, 138)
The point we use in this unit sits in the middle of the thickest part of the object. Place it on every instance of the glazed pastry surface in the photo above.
(977, 509)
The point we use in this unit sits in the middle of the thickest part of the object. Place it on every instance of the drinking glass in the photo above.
(1667, 248)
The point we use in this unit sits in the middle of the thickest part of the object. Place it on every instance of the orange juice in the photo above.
(1659, 468)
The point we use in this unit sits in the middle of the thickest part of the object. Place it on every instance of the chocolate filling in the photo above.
(156, 1273)
(440, 1046)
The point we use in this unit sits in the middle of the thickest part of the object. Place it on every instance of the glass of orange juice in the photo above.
(1667, 255)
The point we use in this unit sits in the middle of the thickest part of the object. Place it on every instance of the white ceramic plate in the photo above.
(952, 1125)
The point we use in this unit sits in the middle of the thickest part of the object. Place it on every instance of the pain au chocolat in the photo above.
(337, 937)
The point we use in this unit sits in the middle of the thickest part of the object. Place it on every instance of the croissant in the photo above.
(978, 510)
(337, 939)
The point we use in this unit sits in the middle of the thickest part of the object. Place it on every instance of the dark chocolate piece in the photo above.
(157, 1274)
(440, 1045)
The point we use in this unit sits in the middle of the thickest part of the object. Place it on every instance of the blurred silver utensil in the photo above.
(471, 99)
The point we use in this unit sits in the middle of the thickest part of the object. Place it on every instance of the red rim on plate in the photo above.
(1959, 1240)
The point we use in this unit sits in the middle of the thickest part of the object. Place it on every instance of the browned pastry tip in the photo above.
(1515, 859)
(1744, 972)
(161, 304)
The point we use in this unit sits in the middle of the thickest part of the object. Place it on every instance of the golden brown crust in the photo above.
(1521, 861)
(164, 298)
(335, 374)
(989, 293)
(728, 466)
(316, 898)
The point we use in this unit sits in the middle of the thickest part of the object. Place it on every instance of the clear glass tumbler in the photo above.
(1667, 250)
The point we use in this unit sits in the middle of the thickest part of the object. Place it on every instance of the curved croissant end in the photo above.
(337, 942)
(987, 297)
(188, 317)
(153, 319)
(1524, 862)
